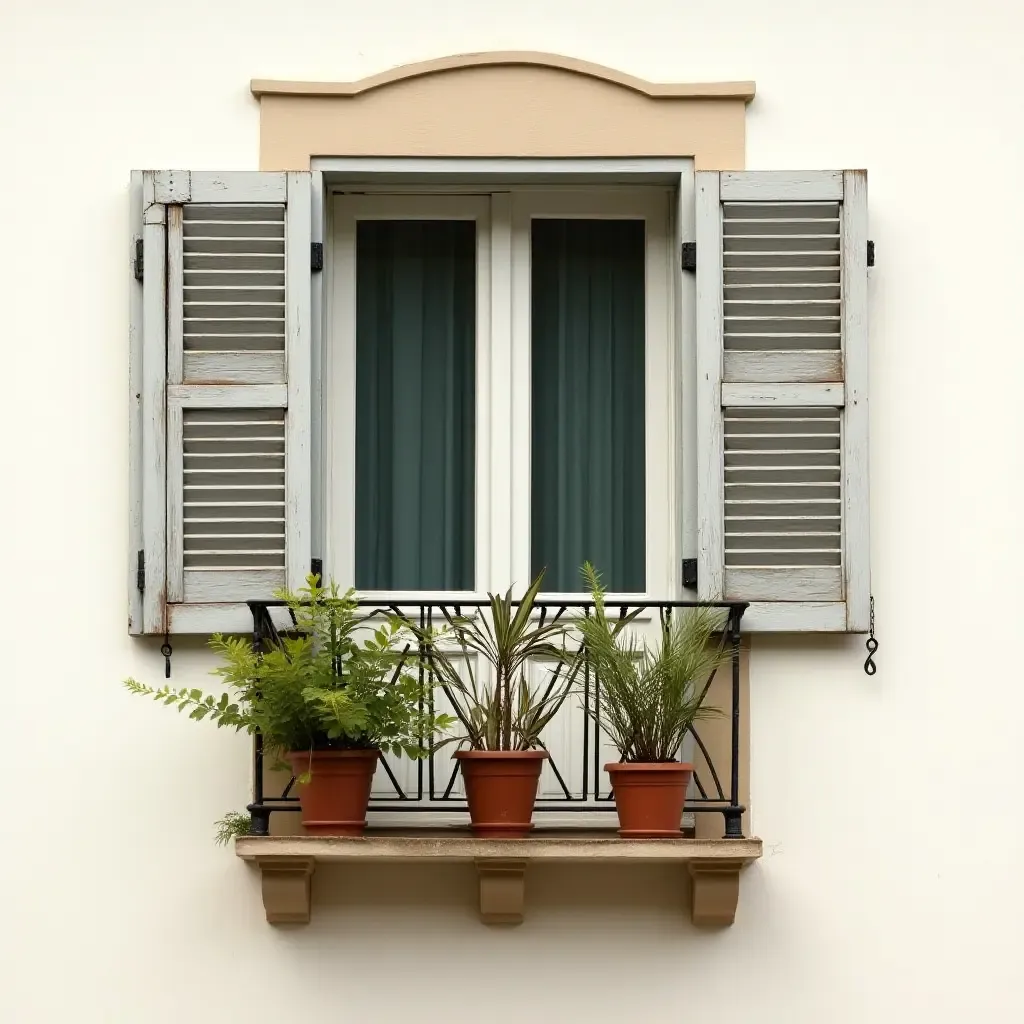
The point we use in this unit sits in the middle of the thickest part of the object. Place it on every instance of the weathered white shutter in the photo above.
(225, 395)
(782, 396)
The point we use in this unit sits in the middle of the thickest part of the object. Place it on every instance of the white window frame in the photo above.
(651, 205)
(504, 213)
(339, 406)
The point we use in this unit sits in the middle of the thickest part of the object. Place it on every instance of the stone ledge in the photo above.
(286, 864)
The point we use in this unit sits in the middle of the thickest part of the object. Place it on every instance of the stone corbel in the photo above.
(286, 883)
(502, 890)
(715, 891)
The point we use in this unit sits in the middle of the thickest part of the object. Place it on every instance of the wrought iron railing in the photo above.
(717, 784)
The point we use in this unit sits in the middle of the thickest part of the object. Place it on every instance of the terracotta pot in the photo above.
(650, 798)
(501, 789)
(334, 800)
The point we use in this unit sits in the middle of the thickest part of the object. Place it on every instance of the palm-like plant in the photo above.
(505, 713)
(648, 699)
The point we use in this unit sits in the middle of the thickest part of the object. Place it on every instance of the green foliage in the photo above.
(649, 699)
(338, 682)
(503, 713)
(233, 825)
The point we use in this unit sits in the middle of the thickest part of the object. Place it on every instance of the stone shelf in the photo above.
(287, 863)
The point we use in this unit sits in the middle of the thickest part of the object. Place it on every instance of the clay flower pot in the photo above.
(334, 800)
(650, 798)
(501, 789)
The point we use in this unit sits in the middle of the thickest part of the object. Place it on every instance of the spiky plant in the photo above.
(648, 698)
(505, 712)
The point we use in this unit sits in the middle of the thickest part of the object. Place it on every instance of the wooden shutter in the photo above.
(225, 394)
(782, 396)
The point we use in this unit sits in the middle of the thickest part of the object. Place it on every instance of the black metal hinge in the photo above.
(316, 567)
(139, 249)
(690, 573)
(140, 571)
(316, 256)
(689, 256)
(871, 253)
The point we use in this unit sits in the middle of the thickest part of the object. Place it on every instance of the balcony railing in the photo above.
(431, 785)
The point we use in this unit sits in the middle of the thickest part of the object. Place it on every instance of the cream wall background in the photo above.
(891, 808)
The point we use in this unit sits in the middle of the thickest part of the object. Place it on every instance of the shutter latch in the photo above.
(316, 567)
(140, 571)
(690, 573)
(316, 256)
(689, 256)
(871, 253)
(139, 250)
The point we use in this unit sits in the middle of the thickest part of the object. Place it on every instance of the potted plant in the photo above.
(327, 698)
(501, 718)
(646, 702)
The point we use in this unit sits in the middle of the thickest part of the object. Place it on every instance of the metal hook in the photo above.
(167, 650)
(872, 644)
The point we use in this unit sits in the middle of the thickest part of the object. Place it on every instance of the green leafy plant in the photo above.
(648, 699)
(505, 712)
(336, 682)
(233, 825)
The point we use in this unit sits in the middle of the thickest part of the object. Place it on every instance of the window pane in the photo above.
(415, 408)
(588, 479)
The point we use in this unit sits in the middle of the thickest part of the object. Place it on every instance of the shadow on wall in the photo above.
(642, 892)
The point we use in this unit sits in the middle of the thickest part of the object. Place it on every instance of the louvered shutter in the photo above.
(782, 396)
(226, 394)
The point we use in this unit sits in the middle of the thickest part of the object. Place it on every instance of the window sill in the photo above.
(287, 863)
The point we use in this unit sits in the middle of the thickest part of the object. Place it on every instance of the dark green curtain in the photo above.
(415, 404)
(588, 494)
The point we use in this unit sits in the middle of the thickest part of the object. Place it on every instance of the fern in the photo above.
(341, 682)
(219, 710)
(233, 825)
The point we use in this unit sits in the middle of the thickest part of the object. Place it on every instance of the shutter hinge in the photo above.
(139, 249)
(316, 256)
(140, 571)
(871, 253)
(690, 573)
(316, 567)
(689, 256)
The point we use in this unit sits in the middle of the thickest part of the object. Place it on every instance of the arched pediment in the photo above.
(476, 62)
(502, 104)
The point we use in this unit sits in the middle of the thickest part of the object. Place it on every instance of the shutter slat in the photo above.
(234, 315)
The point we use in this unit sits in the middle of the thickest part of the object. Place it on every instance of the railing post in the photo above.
(258, 814)
(734, 812)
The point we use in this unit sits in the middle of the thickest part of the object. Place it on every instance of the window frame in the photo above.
(339, 362)
(650, 204)
(503, 210)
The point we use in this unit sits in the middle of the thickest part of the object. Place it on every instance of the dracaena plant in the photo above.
(336, 682)
(648, 698)
(504, 712)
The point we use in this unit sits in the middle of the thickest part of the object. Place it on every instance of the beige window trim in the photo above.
(507, 104)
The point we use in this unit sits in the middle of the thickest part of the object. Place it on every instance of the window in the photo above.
(485, 380)
(494, 415)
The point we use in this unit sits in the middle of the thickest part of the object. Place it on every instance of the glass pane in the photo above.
(588, 493)
(415, 404)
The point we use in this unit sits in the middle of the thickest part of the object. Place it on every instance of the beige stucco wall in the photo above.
(519, 104)
(891, 889)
